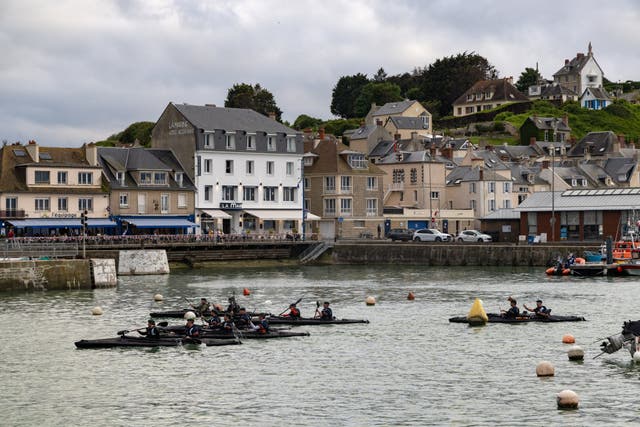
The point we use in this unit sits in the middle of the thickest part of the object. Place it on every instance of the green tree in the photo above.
(448, 78)
(345, 93)
(140, 131)
(380, 76)
(256, 98)
(380, 93)
(337, 127)
(528, 77)
(303, 121)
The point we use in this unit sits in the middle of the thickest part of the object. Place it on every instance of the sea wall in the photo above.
(31, 275)
(455, 254)
(141, 262)
(104, 273)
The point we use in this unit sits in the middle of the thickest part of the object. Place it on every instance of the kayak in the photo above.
(217, 334)
(496, 318)
(281, 320)
(129, 341)
(179, 314)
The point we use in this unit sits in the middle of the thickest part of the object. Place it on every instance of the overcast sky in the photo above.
(75, 71)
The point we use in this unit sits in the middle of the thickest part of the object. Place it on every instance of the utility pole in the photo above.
(83, 223)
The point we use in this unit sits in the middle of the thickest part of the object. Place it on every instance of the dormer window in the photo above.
(470, 97)
(230, 141)
(159, 178)
(179, 178)
(478, 96)
(120, 178)
(208, 140)
(357, 161)
(308, 161)
(145, 177)
(271, 143)
(291, 144)
(251, 142)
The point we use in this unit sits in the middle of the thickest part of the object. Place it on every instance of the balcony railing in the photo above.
(12, 213)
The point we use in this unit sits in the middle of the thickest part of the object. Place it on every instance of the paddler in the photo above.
(263, 324)
(539, 310)
(294, 313)
(513, 311)
(326, 313)
(244, 319)
(202, 307)
(214, 321)
(191, 330)
(151, 331)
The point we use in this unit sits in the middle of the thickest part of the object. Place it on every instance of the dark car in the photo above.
(403, 234)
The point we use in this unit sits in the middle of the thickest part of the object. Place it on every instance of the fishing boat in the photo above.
(283, 320)
(497, 318)
(130, 341)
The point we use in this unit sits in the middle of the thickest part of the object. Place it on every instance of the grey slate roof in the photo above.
(516, 152)
(601, 143)
(391, 108)
(382, 149)
(416, 123)
(502, 214)
(362, 132)
(211, 118)
(556, 90)
(582, 200)
(547, 123)
(597, 92)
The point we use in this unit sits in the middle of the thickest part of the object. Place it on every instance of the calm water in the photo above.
(409, 366)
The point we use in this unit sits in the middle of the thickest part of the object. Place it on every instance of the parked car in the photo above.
(473, 236)
(430, 235)
(403, 234)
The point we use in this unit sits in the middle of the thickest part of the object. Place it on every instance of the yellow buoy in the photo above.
(567, 399)
(158, 297)
(97, 311)
(477, 315)
(568, 339)
(545, 369)
(370, 300)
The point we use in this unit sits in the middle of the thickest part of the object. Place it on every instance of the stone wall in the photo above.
(143, 262)
(104, 273)
(45, 275)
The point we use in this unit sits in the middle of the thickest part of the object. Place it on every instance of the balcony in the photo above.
(12, 213)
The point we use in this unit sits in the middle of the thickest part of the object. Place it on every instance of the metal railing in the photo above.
(20, 249)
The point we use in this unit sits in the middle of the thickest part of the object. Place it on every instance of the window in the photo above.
(415, 195)
(468, 110)
(42, 177)
(308, 161)
(182, 200)
(249, 193)
(345, 207)
(492, 205)
(372, 207)
(307, 203)
(329, 184)
(289, 194)
(506, 187)
(62, 177)
(208, 165)
(228, 166)
(164, 203)
(345, 184)
(470, 97)
(532, 223)
(435, 195)
(230, 141)
(249, 167)
(124, 200)
(251, 142)
(120, 177)
(329, 207)
(289, 168)
(307, 183)
(229, 193)
(198, 165)
(270, 194)
(398, 176)
(63, 204)
(85, 204)
(372, 183)
(472, 204)
(85, 178)
(179, 178)
(42, 204)
(142, 203)
(357, 161)
(208, 140)
(271, 143)
(160, 178)
(413, 175)
(291, 144)
(472, 187)
(145, 177)
(270, 168)
(11, 204)
(506, 204)
(208, 191)
(492, 187)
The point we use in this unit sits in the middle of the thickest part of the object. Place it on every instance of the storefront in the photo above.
(61, 226)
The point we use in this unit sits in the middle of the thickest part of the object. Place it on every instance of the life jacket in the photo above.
(294, 312)
(263, 326)
(326, 314)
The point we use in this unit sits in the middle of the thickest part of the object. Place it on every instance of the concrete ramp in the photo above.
(141, 262)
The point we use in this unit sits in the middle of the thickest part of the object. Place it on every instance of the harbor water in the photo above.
(408, 367)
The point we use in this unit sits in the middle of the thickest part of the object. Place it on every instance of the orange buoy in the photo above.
(568, 339)
(246, 292)
(411, 296)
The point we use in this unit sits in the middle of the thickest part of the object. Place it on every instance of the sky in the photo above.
(77, 71)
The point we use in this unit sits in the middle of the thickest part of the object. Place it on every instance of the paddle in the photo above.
(295, 303)
(317, 315)
(125, 331)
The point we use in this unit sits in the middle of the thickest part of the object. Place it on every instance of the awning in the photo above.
(312, 217)
(216, 213)
(159, 222)
(277, 214)
(60, 223)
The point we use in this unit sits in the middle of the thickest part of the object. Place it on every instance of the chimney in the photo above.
(587, 154)
(272, 115)
(545, 164)
(378, 122)
(321, 134)
(447, 151)
(566, 62)
(91, 153)
(33, 150)
(532, 141)
(509, 80)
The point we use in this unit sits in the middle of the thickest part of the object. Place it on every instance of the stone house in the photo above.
(486, 95)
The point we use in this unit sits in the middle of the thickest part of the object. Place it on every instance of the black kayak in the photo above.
(128, 341)
(282, 320)
(179, 314)
(217, 334)
(496, 318)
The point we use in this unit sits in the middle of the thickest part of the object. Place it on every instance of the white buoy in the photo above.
(370, 300)
(568, 399)
(636, 357)
(158, 297)
(575, 352)
(97, 311)
(190, 315)
(545, 369)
